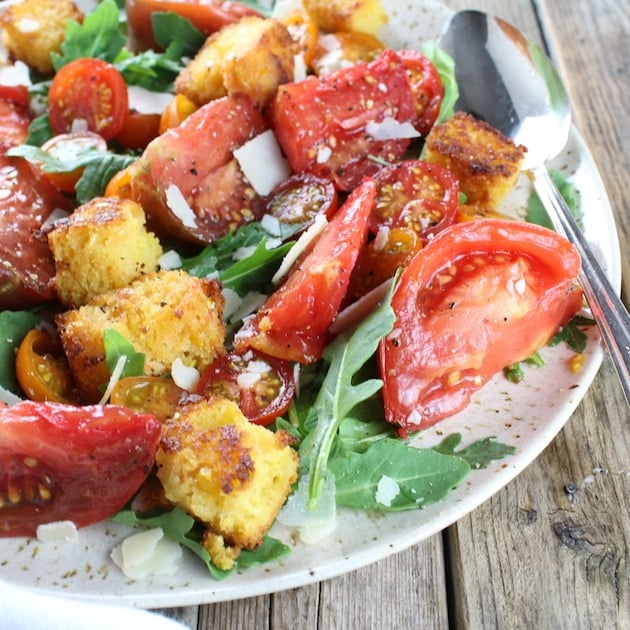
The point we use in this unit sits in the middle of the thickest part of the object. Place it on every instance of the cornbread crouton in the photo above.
(486, 163)
(166, 315)
(364, 16)
(102, 245)
(252, 56)
(32, 29)
(232, 475)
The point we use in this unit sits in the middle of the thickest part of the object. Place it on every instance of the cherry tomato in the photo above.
(14, 122)
(26, 263)
(42, 369)
(17, 94)
(156, 395)
(262, 386)
(138, 130)
(480, 296)
(300, 198)
(60, 462)
(67, 146)
(321, 123)
(304, 32)
(120, 184)
(207, 15)
(349, 47)
(293, 323)
(176, 112)
(188, 181)
(89, 90)
(427, 87)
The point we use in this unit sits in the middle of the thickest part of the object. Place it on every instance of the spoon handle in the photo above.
(608, 310)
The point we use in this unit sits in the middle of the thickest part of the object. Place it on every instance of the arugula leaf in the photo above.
(445, 65)
(339, 393)
(572, 334)
(536, 212)
(418, 477)
(116, 346)
(176, 35)
(14, 326)
(479, 454)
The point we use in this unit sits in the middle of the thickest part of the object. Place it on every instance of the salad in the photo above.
(342, 354)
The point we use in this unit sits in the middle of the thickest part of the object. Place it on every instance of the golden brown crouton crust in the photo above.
(232, 475)
(365, 16)
(253, 56)
(102, 245)
(33, 29)
(485, 162)
(166, 315)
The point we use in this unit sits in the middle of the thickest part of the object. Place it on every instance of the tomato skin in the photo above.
(320, 123)
(91, 90)
(138, 130)
(207, 15)
(14, 122)
(17, 94)
(196, 157)
(261, 400)
(293, 323)
(61, 462)
(26, 263)
(450, 339)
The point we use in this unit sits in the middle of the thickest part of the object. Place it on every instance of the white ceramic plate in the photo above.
(527, 416)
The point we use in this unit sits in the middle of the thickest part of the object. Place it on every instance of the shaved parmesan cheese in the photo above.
(79, 125)
(319, 223)
(176, 201)
(28, 25)
(184, 376)
(147, 553)
(246, 380)
(250, 303)
(382, 236)
(262, 162)
(113, 379)
(323, 154)
(15, 74)
(387, 490)
(390, 129)
(58, 532)
(271, 224)
(55, 215)
(284, 7)
(170, 260)
(299, 68)
(243, 252)
(232, 302)
(147, 102)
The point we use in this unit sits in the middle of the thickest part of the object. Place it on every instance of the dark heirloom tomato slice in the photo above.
(300, 198)
(156, 395)
(89, 90)
(480, 296)
(207, 15)
(188, 181)
(60, 462)
(321, 123)
(262, 386)
(138, 130)
(293, 323)
(26, 264)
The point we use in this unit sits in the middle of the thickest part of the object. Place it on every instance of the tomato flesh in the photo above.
(14, 122)
(60, 462)
(156, 395)
(480, 296)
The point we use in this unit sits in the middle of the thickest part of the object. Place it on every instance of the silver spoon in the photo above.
(509, 82)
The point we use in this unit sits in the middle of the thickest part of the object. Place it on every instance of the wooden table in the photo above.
(535, 555)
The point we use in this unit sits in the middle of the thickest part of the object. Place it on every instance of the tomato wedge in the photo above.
(480, 296)
(60, 462)
(293, 322)
(14, 119)
(88, 90)
(262, 386)
(156, 395)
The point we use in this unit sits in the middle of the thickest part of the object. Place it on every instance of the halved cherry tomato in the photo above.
(262, 386)
(156, 395)
(26, 263)
(17, 94)
(42, 369)
(304, 32)
(293, 323)
(347, 47)
(120, 184)
(89, 90)
(207, 15)
(67, 146)
(321, 122)
(481, 295)
(14, 122)
(138, 130)
(176, 112)
(60, 462)
(300, 198)
(427, 87)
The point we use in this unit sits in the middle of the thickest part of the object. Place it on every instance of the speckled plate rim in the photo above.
(528, 415)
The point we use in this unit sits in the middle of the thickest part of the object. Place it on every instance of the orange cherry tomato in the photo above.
(120, 184)
(42, 369)
(69, 145)
(304, 32)
(156, 395)
(176, 112)
(138, 130)
(89, 90)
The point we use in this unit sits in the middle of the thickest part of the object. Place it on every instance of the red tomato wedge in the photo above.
(188, 181)
(26, 263)
(480, 296)
(293, 323)
(14, 120)
(207, 15)
(89, 90)
(60, 462)
(322, 123)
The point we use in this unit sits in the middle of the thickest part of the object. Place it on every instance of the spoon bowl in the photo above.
(508, 81)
